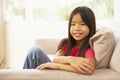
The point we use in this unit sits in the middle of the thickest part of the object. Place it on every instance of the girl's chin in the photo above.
(77, 39)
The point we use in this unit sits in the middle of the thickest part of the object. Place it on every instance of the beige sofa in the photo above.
(106, 44)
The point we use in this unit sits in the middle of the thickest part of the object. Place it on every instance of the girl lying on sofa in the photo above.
(74, 53)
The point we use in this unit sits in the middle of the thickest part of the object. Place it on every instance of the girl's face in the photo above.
(78, 29)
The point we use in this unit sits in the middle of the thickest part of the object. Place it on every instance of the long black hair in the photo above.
(88, 18)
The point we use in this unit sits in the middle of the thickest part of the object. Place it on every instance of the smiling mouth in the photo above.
(77, 34)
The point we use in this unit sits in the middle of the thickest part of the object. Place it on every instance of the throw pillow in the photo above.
(103, 44)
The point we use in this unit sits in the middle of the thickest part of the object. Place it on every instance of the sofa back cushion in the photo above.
(48, 45)
(115, 60)
(103, 44)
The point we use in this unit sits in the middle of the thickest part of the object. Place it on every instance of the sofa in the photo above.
(106, 44)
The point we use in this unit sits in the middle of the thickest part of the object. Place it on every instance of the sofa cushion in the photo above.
(103, 44)
(115, 60)
(33, 74)
(48, 45)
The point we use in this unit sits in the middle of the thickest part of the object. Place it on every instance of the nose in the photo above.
(77, 26)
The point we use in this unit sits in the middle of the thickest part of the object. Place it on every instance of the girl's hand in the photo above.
(47, 66)
(83, 65)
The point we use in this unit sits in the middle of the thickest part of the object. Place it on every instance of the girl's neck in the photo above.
(79, 43)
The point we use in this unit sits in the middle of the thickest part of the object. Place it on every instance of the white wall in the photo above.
(117, 9)
(21, 37)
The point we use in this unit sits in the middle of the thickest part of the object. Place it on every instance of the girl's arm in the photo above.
(57, 66)
(70, 68)
(60, 58)
(93, 62)
(88, 64)
(69, 63)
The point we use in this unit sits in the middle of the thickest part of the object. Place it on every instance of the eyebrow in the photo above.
(79, 22)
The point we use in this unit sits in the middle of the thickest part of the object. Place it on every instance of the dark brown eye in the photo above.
(72, 24)
(82, 24)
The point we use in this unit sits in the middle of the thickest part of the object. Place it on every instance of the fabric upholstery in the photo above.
(32, 74)
(103, 44)
(115, 60)
(48, 45)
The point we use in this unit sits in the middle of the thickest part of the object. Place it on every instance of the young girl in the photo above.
(74, 53)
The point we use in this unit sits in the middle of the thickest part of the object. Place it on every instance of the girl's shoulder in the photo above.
(64, 40)
(89, 50)
(62, 43)
(89, 53)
